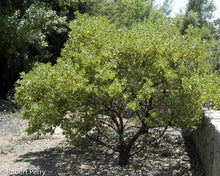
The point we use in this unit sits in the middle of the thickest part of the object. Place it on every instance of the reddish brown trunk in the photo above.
(123, 159)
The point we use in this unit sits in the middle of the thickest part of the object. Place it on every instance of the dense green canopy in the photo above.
(112, 78)
(35, 30)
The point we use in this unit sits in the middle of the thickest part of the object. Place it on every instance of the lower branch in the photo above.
(138, 150)
(135, 137)
(153, 140)
(102, 143)
(162, 133)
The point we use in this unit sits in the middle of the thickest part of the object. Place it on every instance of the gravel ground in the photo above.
(22, 155)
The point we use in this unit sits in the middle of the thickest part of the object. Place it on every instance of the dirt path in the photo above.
(21, 155)
(15, 144)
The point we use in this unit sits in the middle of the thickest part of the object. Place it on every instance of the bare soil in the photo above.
(52, 155)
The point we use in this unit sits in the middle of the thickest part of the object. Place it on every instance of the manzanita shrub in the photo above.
(113, 85)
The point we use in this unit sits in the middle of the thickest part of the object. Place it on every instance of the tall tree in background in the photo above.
(125, 13)
(32, 31)
(203, 8)
(166, 7)
(215, 43)
(198, 13)
(24, 28)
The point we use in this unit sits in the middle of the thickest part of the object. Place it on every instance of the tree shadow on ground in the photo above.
(94, 160)
(67, 160)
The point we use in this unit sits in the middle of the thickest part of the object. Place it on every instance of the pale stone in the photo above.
(207, 140)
